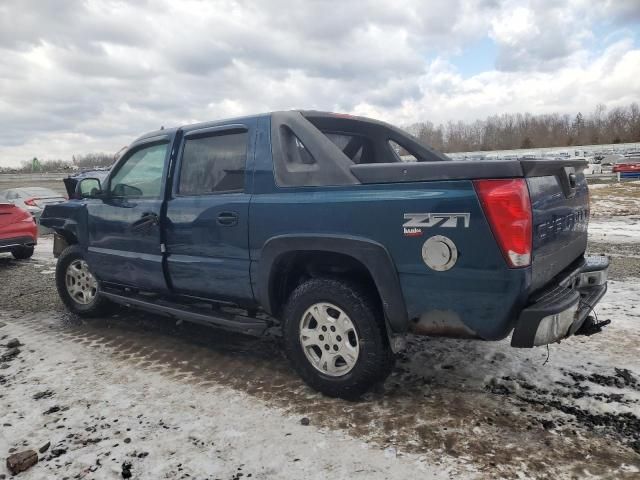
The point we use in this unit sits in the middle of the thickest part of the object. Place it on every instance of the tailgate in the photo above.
(560, 209)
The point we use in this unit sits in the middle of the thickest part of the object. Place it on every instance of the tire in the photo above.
(83, 298)
(338, 375)
(22, 253)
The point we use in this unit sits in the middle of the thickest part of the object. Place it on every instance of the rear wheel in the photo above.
(78, 288)
(22, 253)
(335, 338)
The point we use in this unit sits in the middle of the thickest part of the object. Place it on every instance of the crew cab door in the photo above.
(208, 214)
(124, 225)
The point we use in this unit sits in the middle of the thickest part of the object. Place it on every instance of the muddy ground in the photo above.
(479, 409)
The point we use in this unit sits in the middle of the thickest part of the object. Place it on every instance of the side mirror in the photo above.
(89, 188)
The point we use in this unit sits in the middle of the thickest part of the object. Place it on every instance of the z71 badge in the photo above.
(415, 222)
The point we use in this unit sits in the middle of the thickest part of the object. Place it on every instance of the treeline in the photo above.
(93, 160)
(497, 132)
(78, 162)
(524, 130)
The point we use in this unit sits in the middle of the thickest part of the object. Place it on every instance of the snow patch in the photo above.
(625, 229)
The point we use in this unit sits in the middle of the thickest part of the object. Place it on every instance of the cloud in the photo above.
(80, 76)
(611, 79)
(623, 11)
(26, 23)
(541, 36)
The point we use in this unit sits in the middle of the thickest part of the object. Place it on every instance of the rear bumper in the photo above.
(560, 310)
(8, 244)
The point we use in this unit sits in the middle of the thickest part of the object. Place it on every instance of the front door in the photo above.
(207, 216)
(124, 227)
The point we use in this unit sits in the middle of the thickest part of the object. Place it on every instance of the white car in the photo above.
(33, 199)
(593, 166)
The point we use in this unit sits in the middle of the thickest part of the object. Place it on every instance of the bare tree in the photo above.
(524, 130)
(93, 160)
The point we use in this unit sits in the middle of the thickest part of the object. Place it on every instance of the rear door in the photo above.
(208, 214)
(124, 227)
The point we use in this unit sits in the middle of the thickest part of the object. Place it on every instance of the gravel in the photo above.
(29, 289)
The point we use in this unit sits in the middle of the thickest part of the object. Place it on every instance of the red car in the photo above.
(18, 230)
(628, 167)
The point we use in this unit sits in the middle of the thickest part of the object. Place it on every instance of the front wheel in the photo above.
(78, 288)
(335, 338)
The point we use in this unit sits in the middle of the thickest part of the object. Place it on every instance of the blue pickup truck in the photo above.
(344, 232)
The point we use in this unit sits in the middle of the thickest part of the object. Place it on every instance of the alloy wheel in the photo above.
(329, 339)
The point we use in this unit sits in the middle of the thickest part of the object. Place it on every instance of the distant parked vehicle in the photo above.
(628, 167)
(32, 199)
(593, 166)
(18, 230)
(608, 161)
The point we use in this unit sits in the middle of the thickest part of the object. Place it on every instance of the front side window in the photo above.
(141, 174)
(213, 164)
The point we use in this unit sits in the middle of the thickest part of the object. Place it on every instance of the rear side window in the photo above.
(298, 158)
(213, 164)
(303, 156)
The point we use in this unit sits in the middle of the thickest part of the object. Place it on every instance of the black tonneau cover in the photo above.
(461, 170)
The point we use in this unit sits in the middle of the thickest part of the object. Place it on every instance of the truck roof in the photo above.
(212, 123)
(306, 113)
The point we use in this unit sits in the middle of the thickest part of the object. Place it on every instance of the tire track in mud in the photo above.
(625, 426)
(427, 407)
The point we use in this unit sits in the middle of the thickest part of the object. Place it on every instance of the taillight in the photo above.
(507, 206)
(31, 202)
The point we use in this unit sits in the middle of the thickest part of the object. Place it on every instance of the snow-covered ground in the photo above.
(170, 408)
(459, 408)
(43, 252)
(113, 411)
(188, 402)
(618, 229)
(614, 199)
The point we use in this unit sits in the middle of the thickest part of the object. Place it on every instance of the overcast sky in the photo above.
(88, 76)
